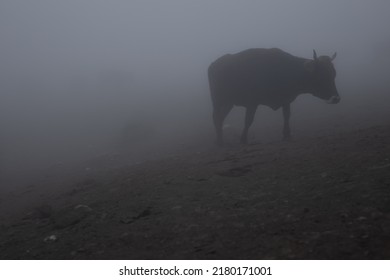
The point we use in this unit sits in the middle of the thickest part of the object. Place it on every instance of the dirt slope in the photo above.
(317, 198)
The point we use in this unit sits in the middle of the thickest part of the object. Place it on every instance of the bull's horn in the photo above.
(333, 56)
(314, 55)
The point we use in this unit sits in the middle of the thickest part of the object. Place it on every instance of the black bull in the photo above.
(268, 77)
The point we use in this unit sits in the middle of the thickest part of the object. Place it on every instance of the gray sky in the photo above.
(55, 40)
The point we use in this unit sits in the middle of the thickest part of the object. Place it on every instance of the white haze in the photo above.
(75, 74)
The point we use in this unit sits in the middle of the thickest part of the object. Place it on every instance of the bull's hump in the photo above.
(253, 52)
(253, 56)
(260, 58)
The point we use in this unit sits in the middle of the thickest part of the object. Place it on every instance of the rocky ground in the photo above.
(314, 198)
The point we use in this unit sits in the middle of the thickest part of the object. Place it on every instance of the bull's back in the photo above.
(254, 75)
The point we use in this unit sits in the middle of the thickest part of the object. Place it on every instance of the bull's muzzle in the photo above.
(334, 99)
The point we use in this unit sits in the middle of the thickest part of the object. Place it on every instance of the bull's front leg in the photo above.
(286, 123)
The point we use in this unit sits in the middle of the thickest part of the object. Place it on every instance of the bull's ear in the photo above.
(310, 65)
(314, 55)
(333, 56)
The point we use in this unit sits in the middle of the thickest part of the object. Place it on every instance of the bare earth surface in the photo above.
(314, 198)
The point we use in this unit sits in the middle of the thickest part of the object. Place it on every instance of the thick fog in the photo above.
(84, 78)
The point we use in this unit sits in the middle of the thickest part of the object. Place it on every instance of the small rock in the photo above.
(379, 167)
(50, 238)
(83, 207)
(125, 234)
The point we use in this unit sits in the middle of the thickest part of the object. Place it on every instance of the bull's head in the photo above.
(323, 77)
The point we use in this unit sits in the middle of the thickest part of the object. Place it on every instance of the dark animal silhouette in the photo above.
(268, 77)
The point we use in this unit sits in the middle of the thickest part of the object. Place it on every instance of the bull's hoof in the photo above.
(243, 141)
(287, 138)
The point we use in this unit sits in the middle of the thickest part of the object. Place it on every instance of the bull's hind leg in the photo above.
(219, 114)
(249, 116)
(286, 124)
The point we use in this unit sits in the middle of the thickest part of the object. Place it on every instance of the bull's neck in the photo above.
(306, 82)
